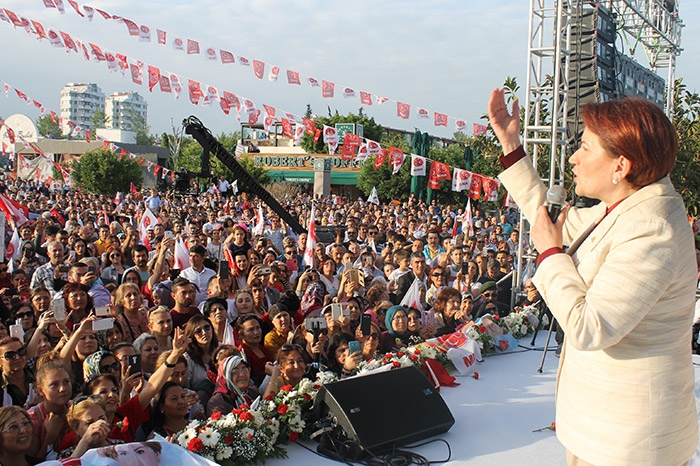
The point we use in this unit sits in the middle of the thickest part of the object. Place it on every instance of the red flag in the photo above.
(365, 98)
(348, 151)
(11, 135)
(490, 187)
(310, 126)
(133, 189)
(57, 215)
(153, 77)
(164, 83)
(192, 47)
(380, 158)
(440, 119)
(381, 100)
(480, 130)
(68, 40)
(74, 4)
(39, 29)
(271, 111)
(259, 68)
(49, 4)
(243, 61)
(226, 57)
(22, 95)
(161, 36)
(87, 135)
(132, 27)
(287, 128)
(475, 188)
(403, 110)
(195, 91)
(438, 171)
(97, 52)
(136, 74)
(293, 77)
(317, 135)
(104, 14)
(253, 117)
(327, 89)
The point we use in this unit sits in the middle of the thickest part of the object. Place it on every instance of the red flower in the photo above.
(308, 397)
(195, 445)
(123, 425)
(396, 364)
(417, 351)
(482, 329)
(286, 388)
(293, 436)
(250, 436)
(282, 409)
(388, 356)
(317, 387)
(215, 416)
(413, 357)
(228, 440)
(400, 353)
(475, 375)
(236, 411)
(270, 396)
(496, 317)
(244, 406)
(246, 416)
(554, 426)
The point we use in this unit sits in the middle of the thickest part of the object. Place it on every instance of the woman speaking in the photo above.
(623, 292)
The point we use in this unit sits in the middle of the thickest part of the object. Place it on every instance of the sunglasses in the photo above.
(22, 315)
(489, 294)
(374, 336)
(114, 367)
(10, 355)
(438, 275)
(203, 329)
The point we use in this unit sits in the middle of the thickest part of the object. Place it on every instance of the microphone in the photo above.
(556, 198)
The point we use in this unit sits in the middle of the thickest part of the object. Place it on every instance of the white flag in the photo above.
(461, 180)
(259, 227)
(147, 220)
(311, 240)
(373, 198)
(412, 296)
(182, 255)
(12, 249)
(417, 165)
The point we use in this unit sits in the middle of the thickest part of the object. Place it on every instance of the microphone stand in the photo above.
(546, 345)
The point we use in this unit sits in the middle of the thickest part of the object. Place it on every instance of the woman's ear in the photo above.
(623, 167)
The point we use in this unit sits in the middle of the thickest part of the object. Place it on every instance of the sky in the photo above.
(444, 56)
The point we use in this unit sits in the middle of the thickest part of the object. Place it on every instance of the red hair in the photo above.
(637, 129)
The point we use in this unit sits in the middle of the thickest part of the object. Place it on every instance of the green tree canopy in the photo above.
(371, 130)
(98, 120)
(138, 124)
(100, 171)
(47, 128)
(686, 173)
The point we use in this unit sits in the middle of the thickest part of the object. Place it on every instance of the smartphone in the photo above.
(102, 324)
(16, 331)
(59, 309)
(63, 268)
(169, 234)
(357, 276)
(134, 364)
(312, 323)
(224, 270)
(265, 270)
(465, 268)
(427, 318)
(292, 265)
(91, 268)
(354, 346)
(366, 325)
(338, 310)
(102, 311)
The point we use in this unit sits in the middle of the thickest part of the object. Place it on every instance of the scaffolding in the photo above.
(652, 26)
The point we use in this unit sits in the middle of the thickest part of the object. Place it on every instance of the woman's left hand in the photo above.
(545, 234)
(180, 341)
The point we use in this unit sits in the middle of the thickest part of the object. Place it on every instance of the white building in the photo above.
(79, 102)
(120, 106)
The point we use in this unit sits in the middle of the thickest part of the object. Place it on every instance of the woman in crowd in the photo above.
(203, 343)
(290, 368)
(396, 335)
(16, 437)
(624, 292)
(146, 345)
(88, 419)
(340, 360)
(137, 408)
(233, 386)
(131, 312)
(48, 418)
(448, 311)
(250, 332)
(464, 282)
(40, 298)
(418, 332)
(169, 410)
(79, 250)
(282, 330)
(437, 283)
(107, 339)
(328, 276)
(101, 362)
(244, 302)
(113, 266)
(78, 303)
(24, 312)
(215, 309)
(81, 344)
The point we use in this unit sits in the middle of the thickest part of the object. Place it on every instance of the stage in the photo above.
(495, 416)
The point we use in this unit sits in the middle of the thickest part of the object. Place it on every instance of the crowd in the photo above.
(103, 339)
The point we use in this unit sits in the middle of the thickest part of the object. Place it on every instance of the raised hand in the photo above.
(505, 125)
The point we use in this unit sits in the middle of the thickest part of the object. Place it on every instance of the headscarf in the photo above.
(224, 378)
(390, 313)
(91, 365)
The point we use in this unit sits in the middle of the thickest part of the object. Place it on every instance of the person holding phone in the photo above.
(343, 360)
(202, 344)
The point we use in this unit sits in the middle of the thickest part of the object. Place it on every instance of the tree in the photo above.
(372, 130)
(388, 186)
(48, 128)
(100, 171)
(137, 123)
(686, 173)
(98, 120)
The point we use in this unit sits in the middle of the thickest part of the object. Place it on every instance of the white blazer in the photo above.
(625, 299)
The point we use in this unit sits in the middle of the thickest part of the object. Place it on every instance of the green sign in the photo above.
(343, 128)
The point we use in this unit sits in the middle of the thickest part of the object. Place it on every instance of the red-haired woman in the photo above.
(623, 293)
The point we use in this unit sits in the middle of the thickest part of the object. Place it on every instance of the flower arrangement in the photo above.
(240, 437)
(480, 334)
(523, 320)
(411, 356)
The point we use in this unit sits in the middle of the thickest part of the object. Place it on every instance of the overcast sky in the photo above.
(444, 56)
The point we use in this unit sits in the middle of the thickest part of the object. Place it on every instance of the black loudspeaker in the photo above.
(384, 410)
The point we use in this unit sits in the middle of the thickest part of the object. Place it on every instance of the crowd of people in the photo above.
(103, 339)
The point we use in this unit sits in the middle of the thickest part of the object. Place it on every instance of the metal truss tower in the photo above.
(652, 25)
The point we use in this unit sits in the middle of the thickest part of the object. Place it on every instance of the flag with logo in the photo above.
(182, 254)
(396, 159)
(438, 171)
(310, 240)
(417, 165)
(461, 180)
(330, 137)
(12, 250)
(147, 220)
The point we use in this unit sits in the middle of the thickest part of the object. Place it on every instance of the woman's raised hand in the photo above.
(505, 125)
